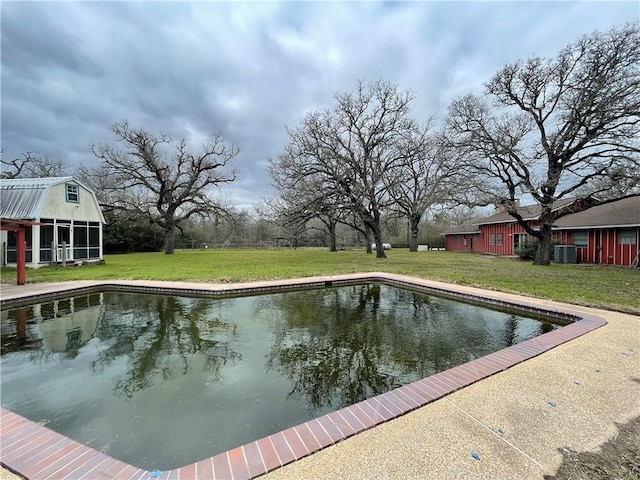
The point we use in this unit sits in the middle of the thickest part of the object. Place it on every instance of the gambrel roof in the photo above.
(24, 198)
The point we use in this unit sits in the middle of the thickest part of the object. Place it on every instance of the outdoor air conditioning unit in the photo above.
(564, 254)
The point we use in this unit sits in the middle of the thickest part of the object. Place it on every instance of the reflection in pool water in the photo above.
(160, 381)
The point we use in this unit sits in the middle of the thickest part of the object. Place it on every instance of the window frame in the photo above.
(582, 243)
(627, 236)
(68, 189)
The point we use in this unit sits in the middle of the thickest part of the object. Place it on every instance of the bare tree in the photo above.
(299, 202)
(428, 176)
(549, 127)
(162, 179)
(353, 149)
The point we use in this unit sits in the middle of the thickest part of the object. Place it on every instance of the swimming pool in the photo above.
(297, 357)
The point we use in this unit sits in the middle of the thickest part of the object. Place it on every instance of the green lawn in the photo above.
(600, 286)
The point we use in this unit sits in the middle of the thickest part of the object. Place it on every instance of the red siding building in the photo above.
(606, 234)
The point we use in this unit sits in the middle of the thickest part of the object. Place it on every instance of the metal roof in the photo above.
(23, 198)
(6, 183)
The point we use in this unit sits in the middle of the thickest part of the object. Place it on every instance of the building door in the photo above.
(64, 252)
(519, 240)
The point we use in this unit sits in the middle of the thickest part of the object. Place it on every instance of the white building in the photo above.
(70, 220)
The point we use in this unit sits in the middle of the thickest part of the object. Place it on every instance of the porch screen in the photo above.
(94, 240)
(46, 238)
(80, 245)
(12, 254)
(86, 240)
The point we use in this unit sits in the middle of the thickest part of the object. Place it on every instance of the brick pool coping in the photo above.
(34, 451)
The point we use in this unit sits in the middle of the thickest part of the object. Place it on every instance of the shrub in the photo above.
(527, 251)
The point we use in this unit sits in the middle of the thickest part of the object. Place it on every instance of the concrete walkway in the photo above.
(516, 422)
(593, 382)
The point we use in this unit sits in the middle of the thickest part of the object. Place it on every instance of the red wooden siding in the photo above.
(501, 238)
(503, 235)
(603, 245)
(565, 237)
(462, 242)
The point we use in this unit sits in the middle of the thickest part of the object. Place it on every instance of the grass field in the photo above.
(600, 286)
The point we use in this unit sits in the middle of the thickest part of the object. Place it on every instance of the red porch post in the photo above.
(18, 226)
(21, 255)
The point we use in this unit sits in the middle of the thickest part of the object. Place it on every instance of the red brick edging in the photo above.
(34, 451)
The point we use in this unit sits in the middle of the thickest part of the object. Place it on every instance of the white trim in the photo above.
(506, 222)
(588, 227)
(475, 232)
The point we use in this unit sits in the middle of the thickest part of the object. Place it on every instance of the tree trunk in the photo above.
(543, 253)
(413, 238)
(332, 237)
(169, 239)
(368, 239)
(377, 237)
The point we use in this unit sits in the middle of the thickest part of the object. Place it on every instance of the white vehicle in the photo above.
(385, 246)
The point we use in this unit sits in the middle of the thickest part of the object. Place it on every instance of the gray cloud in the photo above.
(247, 70)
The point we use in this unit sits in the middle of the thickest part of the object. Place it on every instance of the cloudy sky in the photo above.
(249, 69)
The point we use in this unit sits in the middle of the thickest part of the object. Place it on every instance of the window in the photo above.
(455, 239)
(492, 239)
(73, 193)
(627, 237)
(581, 238)
(74, 338)
(499, 239)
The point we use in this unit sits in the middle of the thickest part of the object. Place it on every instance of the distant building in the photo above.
(69, 220)
(606, 234)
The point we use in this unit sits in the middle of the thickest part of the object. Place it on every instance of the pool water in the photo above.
(160, 381)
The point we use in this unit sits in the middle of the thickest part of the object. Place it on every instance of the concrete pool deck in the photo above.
(514, 421)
